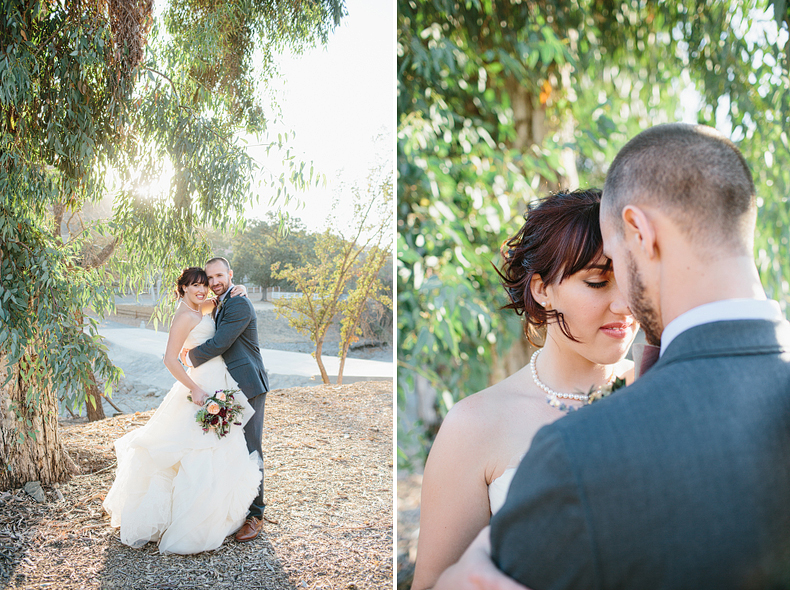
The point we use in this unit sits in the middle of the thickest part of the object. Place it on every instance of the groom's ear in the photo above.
(639, 231)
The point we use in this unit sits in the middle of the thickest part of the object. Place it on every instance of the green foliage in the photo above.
(342, 256)
(264, 242)
(321, 284)
(90, 93)
(500, 103)
(368, 289)
(227, 49)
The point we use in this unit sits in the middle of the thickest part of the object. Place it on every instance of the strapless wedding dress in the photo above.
(177, 485)
(497, 489)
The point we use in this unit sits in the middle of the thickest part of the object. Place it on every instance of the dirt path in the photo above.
(273, 330)
(328, 459)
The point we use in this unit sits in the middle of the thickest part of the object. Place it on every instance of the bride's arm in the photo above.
(454, 505)
(209, 304)
(476, 570)
(182, 325)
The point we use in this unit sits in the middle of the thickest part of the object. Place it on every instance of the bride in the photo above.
(556, 275)
(175, 484)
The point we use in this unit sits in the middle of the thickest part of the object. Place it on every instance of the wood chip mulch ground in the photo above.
(409, 487)
(328, 461)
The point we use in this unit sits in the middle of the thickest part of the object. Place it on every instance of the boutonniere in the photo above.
(606, 390)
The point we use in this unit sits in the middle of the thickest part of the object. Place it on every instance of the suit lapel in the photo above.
(218, 311)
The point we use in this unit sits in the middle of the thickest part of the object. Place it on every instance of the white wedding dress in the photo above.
(497, 489)
(177, 485)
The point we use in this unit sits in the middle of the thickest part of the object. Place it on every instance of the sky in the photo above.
(337, 99)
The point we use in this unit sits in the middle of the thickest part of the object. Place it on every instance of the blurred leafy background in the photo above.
(501, 102)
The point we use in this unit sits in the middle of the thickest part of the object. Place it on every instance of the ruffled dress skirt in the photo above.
(175, 484)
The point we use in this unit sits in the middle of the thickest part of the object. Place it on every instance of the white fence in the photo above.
(273, 293)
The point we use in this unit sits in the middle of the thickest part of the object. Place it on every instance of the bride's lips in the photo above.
(617, 329)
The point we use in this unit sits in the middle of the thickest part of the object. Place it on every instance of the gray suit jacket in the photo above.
(681, 480)
(236, 339)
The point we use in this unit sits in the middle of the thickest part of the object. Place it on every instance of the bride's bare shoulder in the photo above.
(488, 411)
(184, 320)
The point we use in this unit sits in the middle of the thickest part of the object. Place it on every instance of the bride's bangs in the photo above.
(194, 275)
(561, 236)
(582, 243)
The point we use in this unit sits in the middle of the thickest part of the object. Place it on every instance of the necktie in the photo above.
(645, 356)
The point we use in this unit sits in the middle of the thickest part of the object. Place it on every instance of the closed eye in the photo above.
(594, 285)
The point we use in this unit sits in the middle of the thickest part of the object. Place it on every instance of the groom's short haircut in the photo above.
(218, 259)
(692, 174)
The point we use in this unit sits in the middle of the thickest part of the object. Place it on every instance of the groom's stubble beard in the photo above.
(644, 312)
(219, 289)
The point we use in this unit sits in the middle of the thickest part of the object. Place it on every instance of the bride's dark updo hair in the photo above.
(194, 275)
(561, 236)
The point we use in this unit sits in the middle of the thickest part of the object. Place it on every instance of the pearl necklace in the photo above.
(553, 397)
(189, 307)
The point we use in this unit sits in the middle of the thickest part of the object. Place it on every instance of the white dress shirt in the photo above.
(725, 310)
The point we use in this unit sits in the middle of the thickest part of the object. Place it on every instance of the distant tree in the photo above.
(220, 243)
(264, 242)
(94, 90)
(352, 254)
(368, 287)
(377, 319)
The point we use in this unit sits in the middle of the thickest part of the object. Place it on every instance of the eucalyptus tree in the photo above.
(97, 93)
(501, 102)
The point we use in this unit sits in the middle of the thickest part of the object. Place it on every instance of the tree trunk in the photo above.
(344, 354)
(349, 335)
(529, 122)
(318, 346)
(340, 369)
(22, 460)
(529, 118)
(516, 358)
(95, 409)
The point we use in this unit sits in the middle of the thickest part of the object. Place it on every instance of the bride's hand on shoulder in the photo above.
(238, 290)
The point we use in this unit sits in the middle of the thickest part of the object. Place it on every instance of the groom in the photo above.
(681, 480)
(236, 339)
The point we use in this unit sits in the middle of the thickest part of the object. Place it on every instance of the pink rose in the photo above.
(220, 396)
(213, 408)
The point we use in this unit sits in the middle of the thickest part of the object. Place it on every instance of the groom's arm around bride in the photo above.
(236, 336)
(233, 340)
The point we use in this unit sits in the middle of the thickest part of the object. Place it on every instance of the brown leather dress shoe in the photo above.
(250, 529)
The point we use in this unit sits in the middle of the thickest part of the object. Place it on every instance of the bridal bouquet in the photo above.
(219, 412)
